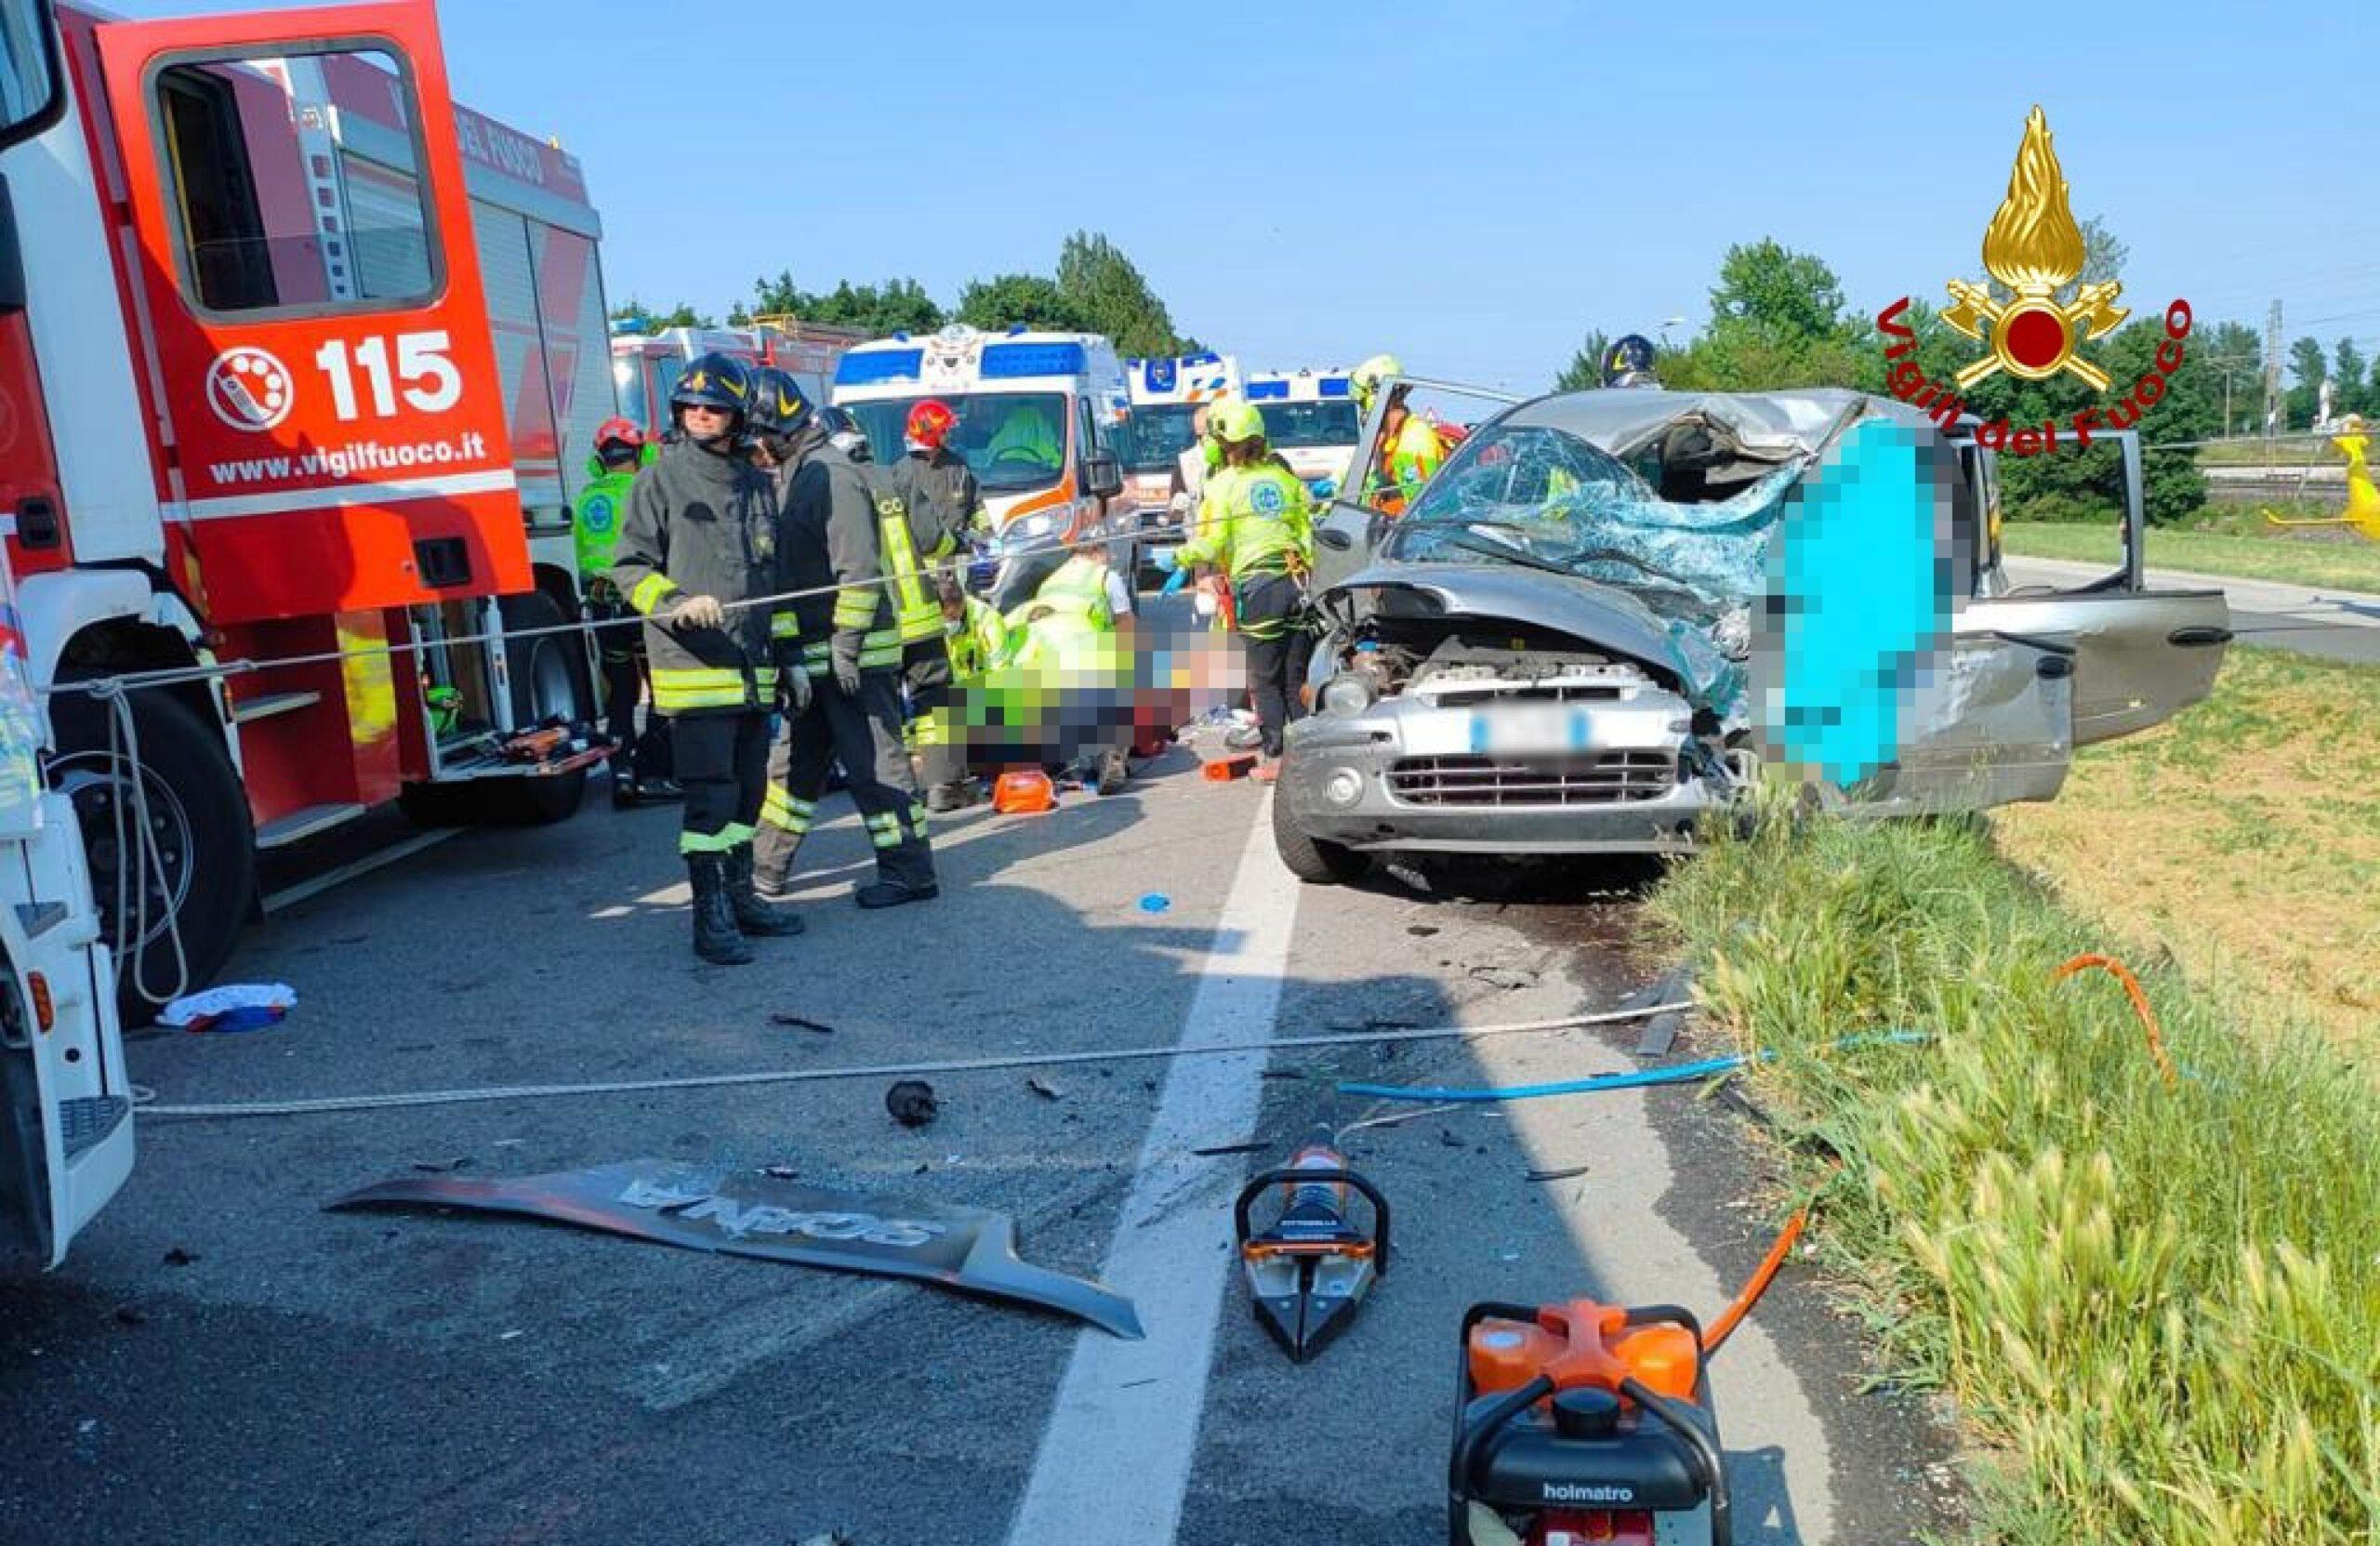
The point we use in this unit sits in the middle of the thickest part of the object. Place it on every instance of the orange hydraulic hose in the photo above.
(1721, 1328)
(2139, 1004)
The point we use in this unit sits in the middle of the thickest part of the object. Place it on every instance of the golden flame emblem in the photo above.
(2034, 249)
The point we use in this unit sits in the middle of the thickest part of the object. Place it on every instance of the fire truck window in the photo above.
(627, 380)
(294, 182)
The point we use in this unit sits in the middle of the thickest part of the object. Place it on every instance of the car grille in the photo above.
(1604, 778)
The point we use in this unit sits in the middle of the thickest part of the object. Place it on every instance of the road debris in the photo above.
(1044, 1089)
(1563, 1173)
(233, 1007)
(801, 1023)
(1212, 1150)
(177, 1256)
(440, 1166)
(912, 1103)
(717, 1209)
(1155, 902)
(1510, 978)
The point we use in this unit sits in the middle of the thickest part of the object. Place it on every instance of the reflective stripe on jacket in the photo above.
(700, 524)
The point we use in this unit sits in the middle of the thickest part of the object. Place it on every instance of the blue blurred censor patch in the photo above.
(1858, 610)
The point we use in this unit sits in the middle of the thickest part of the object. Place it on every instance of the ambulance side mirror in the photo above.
(1102, 475)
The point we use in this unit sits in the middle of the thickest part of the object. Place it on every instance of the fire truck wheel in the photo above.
(199, 830)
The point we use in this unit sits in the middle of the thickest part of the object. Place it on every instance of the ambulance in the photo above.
(1041, 423)
(299, 363)
(1166, 391)
(1310, 418)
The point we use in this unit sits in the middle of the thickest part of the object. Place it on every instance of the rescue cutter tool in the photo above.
(1309, 1270)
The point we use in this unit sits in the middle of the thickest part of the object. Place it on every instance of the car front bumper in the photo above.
(1410, 775)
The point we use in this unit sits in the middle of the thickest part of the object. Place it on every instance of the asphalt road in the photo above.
(221, 1360)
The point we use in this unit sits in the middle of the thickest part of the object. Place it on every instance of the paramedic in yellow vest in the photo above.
(639, 765)
(1088, 587)
(1256, 525)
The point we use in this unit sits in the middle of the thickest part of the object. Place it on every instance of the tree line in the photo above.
(1094, 289)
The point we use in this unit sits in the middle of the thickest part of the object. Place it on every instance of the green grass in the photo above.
(2157, 1304)
(2242, 839)
(2350, 564)
(2302, 450)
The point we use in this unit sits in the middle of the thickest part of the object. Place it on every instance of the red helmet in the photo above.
(930, 423)
(619, 429)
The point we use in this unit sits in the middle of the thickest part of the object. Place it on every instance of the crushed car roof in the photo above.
(1787, 423)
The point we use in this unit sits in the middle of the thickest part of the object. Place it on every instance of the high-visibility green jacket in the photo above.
(1252, 520)
(702, 524)
(978, 641)
(1083, 578)
(595, 525)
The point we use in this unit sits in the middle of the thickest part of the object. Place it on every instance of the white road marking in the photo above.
(1116, 1459)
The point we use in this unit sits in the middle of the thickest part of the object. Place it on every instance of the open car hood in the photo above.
(1603, 617)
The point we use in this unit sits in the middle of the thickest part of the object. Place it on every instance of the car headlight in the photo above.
(1347, 693)
(1037, 525)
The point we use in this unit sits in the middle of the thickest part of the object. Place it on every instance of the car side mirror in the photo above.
(1102, 475)
(1337, 540)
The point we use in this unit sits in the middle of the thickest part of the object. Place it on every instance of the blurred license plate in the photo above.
(1529, 728)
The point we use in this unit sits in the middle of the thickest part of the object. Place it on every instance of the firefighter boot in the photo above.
(752, 914)
(1114, 773)
(717, 939)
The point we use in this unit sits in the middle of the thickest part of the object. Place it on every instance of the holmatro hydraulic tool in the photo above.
(1584, 1421)
(1308, 1271)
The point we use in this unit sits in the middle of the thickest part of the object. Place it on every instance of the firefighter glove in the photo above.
(698, 612)
(797, 690)
(846, 652)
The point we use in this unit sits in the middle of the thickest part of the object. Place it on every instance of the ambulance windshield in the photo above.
(1015, 442)
(1156, 434)
(1304, 426)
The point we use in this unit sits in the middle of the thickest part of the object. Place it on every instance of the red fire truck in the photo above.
(305, 370)
(645, 366)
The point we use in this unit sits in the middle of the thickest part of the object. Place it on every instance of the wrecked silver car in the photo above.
(1595, 627)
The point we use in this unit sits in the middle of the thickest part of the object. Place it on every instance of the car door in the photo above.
(2142, 655)
(310, 304)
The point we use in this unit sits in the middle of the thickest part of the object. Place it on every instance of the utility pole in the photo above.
(2272, 382)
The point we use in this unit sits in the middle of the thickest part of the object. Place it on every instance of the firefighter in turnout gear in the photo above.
(698, 542)
(640, 765)
(1255, 524)
(850, 560)
(943, 504)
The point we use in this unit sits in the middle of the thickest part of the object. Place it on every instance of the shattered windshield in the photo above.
(1544, 498)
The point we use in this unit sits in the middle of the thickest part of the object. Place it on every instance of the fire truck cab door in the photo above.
(334, 429)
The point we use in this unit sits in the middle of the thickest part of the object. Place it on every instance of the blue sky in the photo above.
(1471, 185)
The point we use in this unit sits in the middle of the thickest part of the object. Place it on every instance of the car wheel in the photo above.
(1315, 861)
